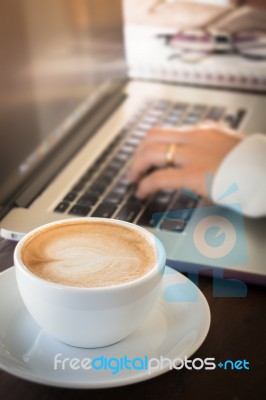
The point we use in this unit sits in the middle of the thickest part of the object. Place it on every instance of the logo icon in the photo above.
(213, 239)
(214, 236)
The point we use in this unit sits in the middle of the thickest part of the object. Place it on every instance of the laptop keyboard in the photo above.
(103, 191)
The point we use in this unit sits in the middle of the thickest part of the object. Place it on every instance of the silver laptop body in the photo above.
(71, 121)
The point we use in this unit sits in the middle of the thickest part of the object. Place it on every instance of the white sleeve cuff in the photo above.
(243, 169)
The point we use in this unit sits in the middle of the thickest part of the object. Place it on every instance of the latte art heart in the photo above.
(86, 262)
(89, 254)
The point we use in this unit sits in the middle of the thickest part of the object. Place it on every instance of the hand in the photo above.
(199, 151)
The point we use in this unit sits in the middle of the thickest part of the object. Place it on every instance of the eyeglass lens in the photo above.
(251, 43)
(192, 44)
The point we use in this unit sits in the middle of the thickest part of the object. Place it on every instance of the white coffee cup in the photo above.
(90, 316)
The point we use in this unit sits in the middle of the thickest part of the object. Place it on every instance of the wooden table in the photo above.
(238, 332)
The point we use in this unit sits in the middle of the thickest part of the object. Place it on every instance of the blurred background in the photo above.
(220, 43)
(181, 13)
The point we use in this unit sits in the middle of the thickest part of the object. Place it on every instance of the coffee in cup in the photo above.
(89, 282)
(88, 254)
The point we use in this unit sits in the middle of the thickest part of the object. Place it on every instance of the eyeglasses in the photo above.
(195, 44)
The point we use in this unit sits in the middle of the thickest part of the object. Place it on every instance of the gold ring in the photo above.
(170, 154)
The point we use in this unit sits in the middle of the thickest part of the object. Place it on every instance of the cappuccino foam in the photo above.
(88, 254)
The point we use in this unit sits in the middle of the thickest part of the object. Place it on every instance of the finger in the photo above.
(218, 127)
(152, 155)
(170, 178)
(209, 124)
(178, 134)
(155, 155)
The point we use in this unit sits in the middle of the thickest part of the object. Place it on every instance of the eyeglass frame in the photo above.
(217, 37)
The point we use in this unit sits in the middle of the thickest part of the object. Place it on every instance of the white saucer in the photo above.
(175, 328)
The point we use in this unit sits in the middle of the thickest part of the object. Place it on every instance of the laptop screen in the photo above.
(55, 57)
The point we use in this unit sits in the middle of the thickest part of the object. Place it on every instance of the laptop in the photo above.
(71, 121)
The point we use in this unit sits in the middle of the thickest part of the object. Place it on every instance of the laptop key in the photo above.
(117, 162)
(158, 204)
(151, 120)
(105, 179)
(105, 210)
(136, 200)
(185, 201)
(121, 157)
(134, 141)
(191, 119)
(240, 115)
(62, 207)
(170, 122)
(96, 189)
(176, 225)
(185, 205)
(155, 206)
(120, 190)
(127, 149)
(162, 104)
(113, 198)
(215, 113)
(165, 196)
(145, 219)
(234, 119)
(110, 170)
(70, 196)
(180, 106)
(115, 165)
(80, 210)
(128, 212)
(123, 180)
(88, 200)
(135, 138)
